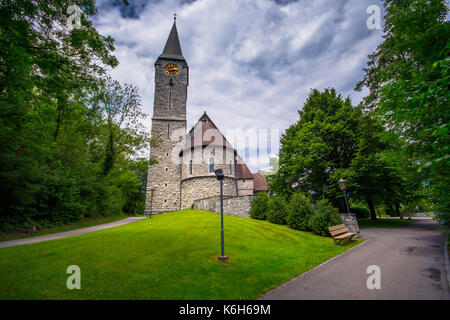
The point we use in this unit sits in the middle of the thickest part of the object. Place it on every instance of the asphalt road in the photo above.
(411, 261)
(59, 235)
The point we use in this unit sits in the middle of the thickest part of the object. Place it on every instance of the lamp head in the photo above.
(219, 174)
(342, 184)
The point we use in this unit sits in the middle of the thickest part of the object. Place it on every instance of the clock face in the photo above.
(171, 69)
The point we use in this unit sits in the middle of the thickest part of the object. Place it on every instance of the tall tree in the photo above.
(52, 138)
(322, 141)
(332, 140)
(120, 105)
(408, 79)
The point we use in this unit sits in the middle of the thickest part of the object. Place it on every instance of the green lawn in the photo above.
(170, 256)
(87, 222)
(383, 223)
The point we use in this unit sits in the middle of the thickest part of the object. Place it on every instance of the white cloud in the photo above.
(252, 63)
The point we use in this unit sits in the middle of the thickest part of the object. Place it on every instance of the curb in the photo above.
(447, 261)
(268, 293)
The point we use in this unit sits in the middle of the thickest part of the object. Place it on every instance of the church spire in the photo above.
(172, 50)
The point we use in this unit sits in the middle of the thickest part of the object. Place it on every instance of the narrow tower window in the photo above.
(168, 131)
(211, 164)
(190, 166)
(170, 98)
(231, 167)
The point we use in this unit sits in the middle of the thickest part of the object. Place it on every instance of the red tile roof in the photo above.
(259, 183)
(242, 171)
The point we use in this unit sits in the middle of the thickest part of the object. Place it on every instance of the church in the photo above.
(181, 173)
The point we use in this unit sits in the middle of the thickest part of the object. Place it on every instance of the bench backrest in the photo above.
(337, 230)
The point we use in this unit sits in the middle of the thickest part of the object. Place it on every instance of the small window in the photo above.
(167, 169)
(190, 166)
(211, 164)
(243, 181)
(165, 184)
(167, 154)
(231, 167)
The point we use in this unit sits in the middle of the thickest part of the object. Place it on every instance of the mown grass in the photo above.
(383, 223)
(84, 223)
(170, 256)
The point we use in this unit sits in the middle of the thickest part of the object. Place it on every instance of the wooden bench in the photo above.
(340, 232)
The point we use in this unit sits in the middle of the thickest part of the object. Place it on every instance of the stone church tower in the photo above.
(183, 173)
(169, 114)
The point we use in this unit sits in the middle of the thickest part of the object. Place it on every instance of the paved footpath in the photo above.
(411, 260)
(59, 235)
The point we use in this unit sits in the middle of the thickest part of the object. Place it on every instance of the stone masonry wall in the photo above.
(200, 162)
(170, 91)
(168, 123)
(234, 206)
(245, 187)
(204, 187)
(165, 176)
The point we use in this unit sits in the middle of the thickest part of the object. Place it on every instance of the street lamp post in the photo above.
(343, 186)
(220, 176)
(349, 219)
(152, 191)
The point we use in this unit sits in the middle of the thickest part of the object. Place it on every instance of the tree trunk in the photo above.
(373, 215)
(378, 210)
(340, 204)
(391, 210)
(397, 209)
(59, 119)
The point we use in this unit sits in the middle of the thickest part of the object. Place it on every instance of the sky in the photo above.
(252, 63)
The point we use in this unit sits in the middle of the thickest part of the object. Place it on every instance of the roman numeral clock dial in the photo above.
(171, 69)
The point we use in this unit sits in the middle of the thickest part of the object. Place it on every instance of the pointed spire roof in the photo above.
(172, 50)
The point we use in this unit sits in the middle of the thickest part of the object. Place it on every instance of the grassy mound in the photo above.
(170, 256)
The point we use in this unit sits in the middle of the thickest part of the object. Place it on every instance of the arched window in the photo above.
(211, 164)
(190, 166)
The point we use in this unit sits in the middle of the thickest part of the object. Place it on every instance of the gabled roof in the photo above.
(259, 182)
(213, 136)
(205, 132)
(242, 171)
(172, 50)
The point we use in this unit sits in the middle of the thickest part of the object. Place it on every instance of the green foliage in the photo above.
(259, 206)
(276, 209)
(323, 140)
(365, 223)
(299, 210)
(334, 140)
(361, 212)
(325, 217)
(64, 153)
(408, 79)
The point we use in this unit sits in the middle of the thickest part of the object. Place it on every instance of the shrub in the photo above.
(360, 212)
(258, 208)
(276, 209)
(299, 209)
(324, 217)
